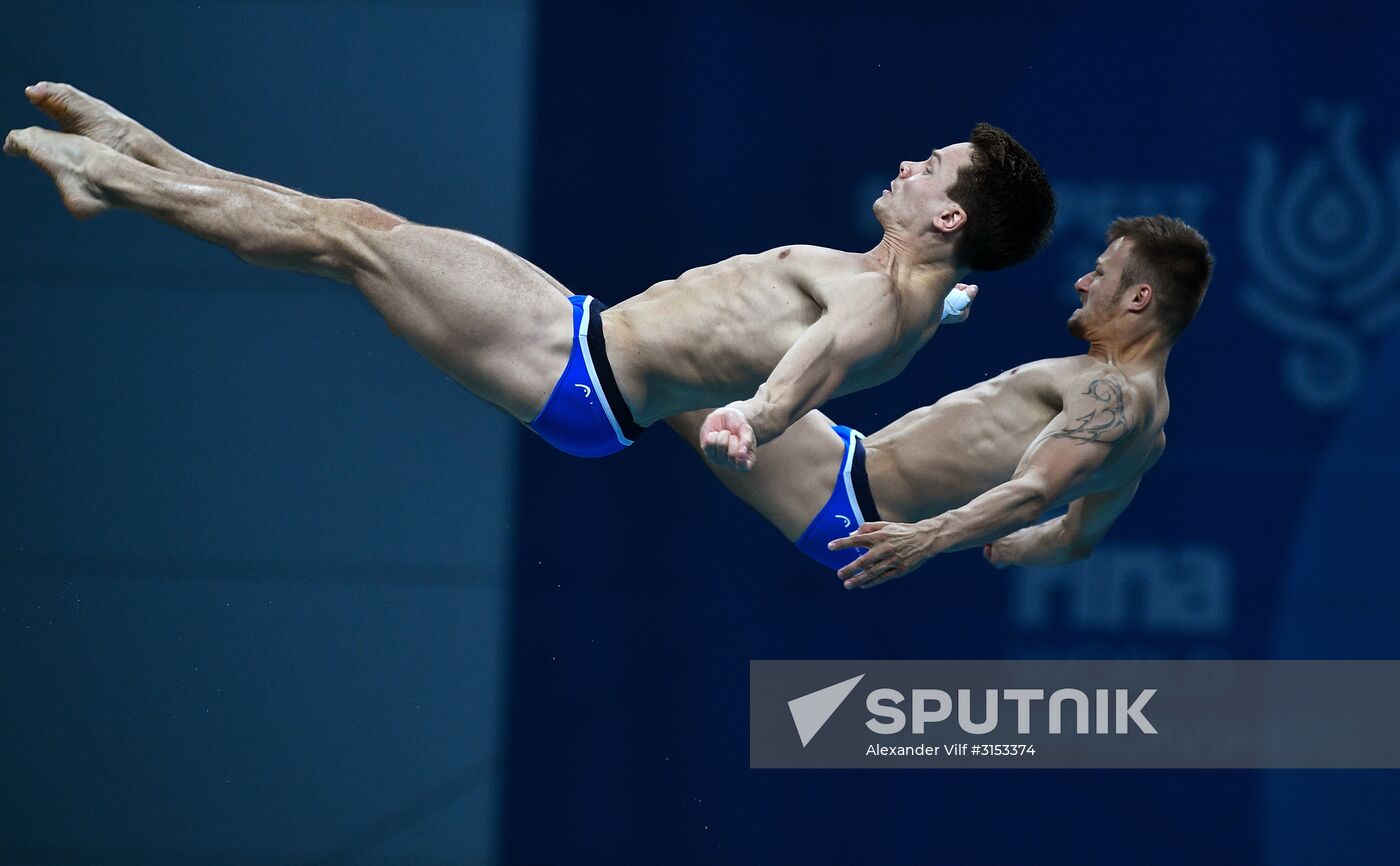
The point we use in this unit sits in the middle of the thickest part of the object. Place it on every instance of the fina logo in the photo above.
(1323, 251)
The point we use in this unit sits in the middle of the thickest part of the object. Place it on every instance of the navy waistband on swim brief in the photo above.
(860, 482)
(598, 350)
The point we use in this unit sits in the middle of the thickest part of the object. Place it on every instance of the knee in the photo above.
(350, 236)
(363, 215)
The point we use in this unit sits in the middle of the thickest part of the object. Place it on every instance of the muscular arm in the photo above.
(1058, 466)
(813, 369)
(856, 329)
(1068, 538)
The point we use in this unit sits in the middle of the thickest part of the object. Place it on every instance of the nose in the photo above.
(1082, 284)
(905, 169)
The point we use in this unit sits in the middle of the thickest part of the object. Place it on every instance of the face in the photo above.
(1098, 290)
(918, 198)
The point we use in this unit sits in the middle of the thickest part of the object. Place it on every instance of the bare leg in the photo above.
(481, 313)
(80, 113)
(792, 481)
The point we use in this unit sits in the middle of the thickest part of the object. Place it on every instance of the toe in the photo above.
(51, 97)
(13, 146)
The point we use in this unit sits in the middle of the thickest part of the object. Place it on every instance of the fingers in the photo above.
(873, 574)
(729, 444)
(715, 445)
(876, 574)
(738, 453)
(957, 305)
(729, 449)
(995, 555)
(860, 538)
(728, 439)
(748, 448)
(877, 563)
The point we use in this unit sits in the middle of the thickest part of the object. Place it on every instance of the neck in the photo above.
(1133, 353)
(911, 268)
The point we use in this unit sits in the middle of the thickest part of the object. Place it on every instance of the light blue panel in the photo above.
(265, 419)
(422, 108)
(252, 547)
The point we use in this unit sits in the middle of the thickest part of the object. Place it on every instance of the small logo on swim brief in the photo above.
(845, 521)
(587, 391)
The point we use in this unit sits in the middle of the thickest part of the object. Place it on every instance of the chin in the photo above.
(1075, 327)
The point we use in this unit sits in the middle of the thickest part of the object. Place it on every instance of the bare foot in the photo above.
(81, 114)
(67, 159)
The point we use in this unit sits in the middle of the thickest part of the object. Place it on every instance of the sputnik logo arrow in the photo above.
(811, 711)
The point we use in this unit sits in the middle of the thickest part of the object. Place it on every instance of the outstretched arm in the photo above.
(1058, 466)
(1068, 538)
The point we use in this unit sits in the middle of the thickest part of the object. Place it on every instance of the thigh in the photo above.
(493, 321)
(793, 476)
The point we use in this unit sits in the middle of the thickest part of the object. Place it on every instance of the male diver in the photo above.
(982, 464)
(777, 333)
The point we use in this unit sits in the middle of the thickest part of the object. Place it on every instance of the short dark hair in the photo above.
(1171, 257)
(1010, 206)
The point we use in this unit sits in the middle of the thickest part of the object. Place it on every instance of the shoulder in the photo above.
(856, 290)
(1100, 405)
(1096, 380)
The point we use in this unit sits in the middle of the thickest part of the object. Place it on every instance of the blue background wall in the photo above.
(213, 466)
(254, 595)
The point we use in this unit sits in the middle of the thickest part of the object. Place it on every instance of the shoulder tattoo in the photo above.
(1105, 421)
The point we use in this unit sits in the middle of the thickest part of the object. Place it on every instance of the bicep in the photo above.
(1093, 421)
(819, 361)
(1060, 466)
(864, 331)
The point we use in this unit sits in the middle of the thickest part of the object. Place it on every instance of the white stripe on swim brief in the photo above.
(846, 477)
(593, 374)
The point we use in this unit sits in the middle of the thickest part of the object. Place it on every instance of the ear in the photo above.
(1140, 298)
(952, 218)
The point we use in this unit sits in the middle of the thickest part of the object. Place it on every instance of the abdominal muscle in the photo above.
(943, 456)
(714, 334)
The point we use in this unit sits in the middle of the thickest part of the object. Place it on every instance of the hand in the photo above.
(958, 305)
(1010, 549)
(895, 550)
(997, 554)
(727, 438)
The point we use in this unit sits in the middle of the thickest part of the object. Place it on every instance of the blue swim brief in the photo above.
(585, 414)
(850, 505)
